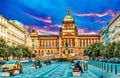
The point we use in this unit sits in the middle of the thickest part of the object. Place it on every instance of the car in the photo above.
(24, 60)
(116, 60)
(111, 60)
(12, 65)
(103, 60)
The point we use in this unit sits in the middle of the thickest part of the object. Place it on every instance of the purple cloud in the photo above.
(46, 30)
(46, 20)
(85, 31)
(108, 12)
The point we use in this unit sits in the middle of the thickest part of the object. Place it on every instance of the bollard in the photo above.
(115, 69)
(102, 65)
(107, 67)
(111, 68)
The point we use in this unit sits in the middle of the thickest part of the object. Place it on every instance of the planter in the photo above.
(17, 71)
(76, 72)
(34, 66)
(5, 73)
(37, 66)
(11, 73)
(73, 66)
(21, 70)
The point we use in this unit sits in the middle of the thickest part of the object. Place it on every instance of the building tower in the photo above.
(68, 34)
(68, 25)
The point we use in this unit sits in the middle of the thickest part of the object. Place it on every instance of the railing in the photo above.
(109, 67)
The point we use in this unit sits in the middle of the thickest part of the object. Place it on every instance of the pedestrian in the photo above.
(78, 65)
(39, 64)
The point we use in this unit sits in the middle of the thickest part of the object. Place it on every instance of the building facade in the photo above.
(13, 32)
(67, 44)
(104, 33)
(111, 33)
(114, 29)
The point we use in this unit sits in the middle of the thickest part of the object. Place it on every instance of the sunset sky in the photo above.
(47, 15)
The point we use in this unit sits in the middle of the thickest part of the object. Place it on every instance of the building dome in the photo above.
(68, 18)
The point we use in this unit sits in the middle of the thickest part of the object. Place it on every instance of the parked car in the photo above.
(111, 60)
(117, 60)
(103, 60)
(114, 60)
(12, 65)
(24, 60)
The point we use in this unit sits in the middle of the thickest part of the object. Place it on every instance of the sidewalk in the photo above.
(101, 73)
(61, 70)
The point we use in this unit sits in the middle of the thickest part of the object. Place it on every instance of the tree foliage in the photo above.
(19, 51)
(99, 50)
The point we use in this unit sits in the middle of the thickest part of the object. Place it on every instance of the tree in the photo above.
(102, 50)
(18, 52)
(110, 49)
(117, 50)
(96, 50)
(4, 49)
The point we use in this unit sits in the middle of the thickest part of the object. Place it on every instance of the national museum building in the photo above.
(67, 44)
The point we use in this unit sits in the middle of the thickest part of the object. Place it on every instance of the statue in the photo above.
(66, 44)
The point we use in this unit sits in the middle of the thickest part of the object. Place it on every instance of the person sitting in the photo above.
(49, 61)
(72, 61)
(77, 65)
(39, 64)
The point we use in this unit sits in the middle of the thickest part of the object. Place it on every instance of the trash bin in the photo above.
(85, 66)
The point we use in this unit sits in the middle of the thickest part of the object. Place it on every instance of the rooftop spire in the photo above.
(68, 11)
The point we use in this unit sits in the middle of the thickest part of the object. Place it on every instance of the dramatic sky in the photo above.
(47, 15)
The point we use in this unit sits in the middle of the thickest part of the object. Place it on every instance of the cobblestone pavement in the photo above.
(56, 70)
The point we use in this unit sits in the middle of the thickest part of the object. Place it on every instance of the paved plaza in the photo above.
(61, 70)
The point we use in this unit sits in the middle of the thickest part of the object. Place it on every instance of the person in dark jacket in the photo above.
(78, 66)
(39, 64)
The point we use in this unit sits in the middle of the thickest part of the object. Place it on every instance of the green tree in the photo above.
(4, 49)
(102, 51)
(110, 49)
(18, 52)
(117, 50)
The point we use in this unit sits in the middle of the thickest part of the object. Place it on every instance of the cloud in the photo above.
(86, 31)
(44, 30)
(47, 30)
(99, 21)
(108, 12)
(46, 20)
